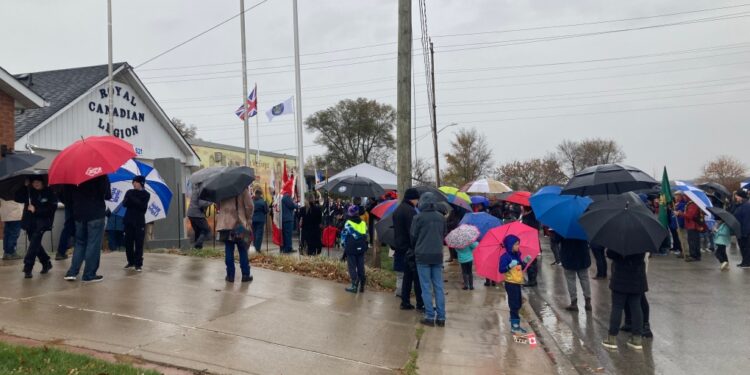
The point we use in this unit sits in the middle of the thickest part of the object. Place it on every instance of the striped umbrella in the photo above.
(384, 208)
(456, 197)
(696, 195)
(121, 181)
(487, 186)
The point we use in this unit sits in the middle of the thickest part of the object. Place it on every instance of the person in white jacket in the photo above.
(10, 214)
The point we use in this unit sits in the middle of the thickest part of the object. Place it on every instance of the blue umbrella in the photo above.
(696, 195)
(121, 181)
(478, 199)
(560, 212)
(483, 221)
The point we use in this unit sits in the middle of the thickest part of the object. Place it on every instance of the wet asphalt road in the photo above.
(700, 317)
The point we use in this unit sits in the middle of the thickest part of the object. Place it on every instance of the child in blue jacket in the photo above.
(512, 266)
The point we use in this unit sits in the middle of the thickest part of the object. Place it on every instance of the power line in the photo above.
(200, 34)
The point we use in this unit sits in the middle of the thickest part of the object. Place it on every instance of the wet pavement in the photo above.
(700, 317)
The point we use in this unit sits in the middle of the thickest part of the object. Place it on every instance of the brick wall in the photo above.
(7, 124)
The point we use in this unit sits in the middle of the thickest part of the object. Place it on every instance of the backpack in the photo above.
(355, 243)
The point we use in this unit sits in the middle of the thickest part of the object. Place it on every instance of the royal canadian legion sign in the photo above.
(126, 111)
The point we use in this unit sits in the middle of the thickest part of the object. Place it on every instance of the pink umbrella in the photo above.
(487, 254)
(462, 236)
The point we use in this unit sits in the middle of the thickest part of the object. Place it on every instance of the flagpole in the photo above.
(110, 85)
(244, 83)
(257, 130)
(298, 105)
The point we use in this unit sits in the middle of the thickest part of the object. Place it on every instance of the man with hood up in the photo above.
(403, 257)
(427, 233)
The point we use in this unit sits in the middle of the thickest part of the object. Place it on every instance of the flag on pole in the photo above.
(251, 108)
(665, 200)
(284, 175)
(273, 179)
(277, 220)
(284, 108)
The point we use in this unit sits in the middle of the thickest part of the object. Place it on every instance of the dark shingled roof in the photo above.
(59, 88)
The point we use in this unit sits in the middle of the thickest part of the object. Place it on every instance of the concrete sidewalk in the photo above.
(180, 311)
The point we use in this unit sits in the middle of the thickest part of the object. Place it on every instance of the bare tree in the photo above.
(187, 131)
(422, 172)
(531, 174)
(577, 155)
(470, 157)
(355, 131)
(725, 170)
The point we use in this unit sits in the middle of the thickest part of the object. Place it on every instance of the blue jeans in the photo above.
(286, 231)
(10, 236)
(88, 248)
(431, 277)
(258, 227)
(229, 258)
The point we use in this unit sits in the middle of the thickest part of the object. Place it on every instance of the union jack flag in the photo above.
(252, 106)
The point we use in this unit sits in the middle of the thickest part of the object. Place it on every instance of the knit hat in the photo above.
(353, 211)
(509, 241)
(741, 193)
(140, 179)
(411, 193)
(36, 177)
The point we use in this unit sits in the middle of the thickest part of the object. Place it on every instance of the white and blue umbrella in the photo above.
(696, 195)
(745, 184)
(121, 181)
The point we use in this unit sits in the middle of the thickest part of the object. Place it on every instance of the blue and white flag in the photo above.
(121, 182)
(696, 195)
(284, 108)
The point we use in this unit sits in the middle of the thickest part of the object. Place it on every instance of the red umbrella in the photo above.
(89, 158)
(487, 254)
(519, 197)
(384, 208)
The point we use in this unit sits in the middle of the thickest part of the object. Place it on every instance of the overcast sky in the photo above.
(673, 95)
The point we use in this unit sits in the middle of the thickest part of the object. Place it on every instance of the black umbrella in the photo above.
(205, 174)
(354, 186)
(728, 218)
(386, 233)
(228, 183)
(441, 197)
(624, 225)
(716, 188)
(15, 182)
(16, 162)
(608, 179)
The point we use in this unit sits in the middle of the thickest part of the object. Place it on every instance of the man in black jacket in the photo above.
(88, 212)
(404, 257)
(136, 204)
(39, 206)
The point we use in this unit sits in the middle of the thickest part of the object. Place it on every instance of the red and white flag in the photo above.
(251, 108)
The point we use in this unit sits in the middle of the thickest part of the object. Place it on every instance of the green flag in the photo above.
(665, 200)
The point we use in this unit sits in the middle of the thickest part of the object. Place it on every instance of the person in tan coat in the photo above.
(233, 222)
(11, 214)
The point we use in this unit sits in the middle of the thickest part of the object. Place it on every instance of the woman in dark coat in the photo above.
(628, 284)
(312, 225)
(39, 206)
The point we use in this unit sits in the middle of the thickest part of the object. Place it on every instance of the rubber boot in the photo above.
(588, 304)
(573, 305)
(471, 282)
(515, 327)
(466, 282)
(353, 288)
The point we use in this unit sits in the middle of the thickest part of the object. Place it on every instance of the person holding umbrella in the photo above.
(404, 257)
(39, 205)
(135, 204)
(576, 260)
(233, 222)
(196, 213)
(742, 214)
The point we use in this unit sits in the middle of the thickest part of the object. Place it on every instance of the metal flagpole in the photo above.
(257, 129)
(110, 89)
(244, 83)
(298, 109)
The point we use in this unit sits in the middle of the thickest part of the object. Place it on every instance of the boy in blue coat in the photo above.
(512, 266)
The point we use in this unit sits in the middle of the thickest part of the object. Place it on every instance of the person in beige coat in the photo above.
(10, 214)
(234, 224)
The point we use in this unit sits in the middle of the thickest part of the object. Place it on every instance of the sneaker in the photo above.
(690, 259)
(427, 322)
(46, 267)
(724, 266)
(635, 342)
(440, 323)
(128, 266)
(138, 269)
(69, 278)
(465, 288)
(247, 279)
(27, 275)
(744, 266)
(573, 305)
(487, 282)
(420, 309)
(61, 257)
(95, 279)
(610, 342)
(11, 257)
(229, 279)
(406, 307)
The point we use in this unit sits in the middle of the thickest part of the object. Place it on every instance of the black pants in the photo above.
(453, 253)
(555, 247)
(201, 230)
(467, 274)
(744, 243)
(601, 261)
(619, 301)
(532, 271)
(513, 292)
(694, 243)
(721, 253)
(411, 278)
(676, 245)
(134, 235)
(645, 309)
(36, 250)
(356, 265)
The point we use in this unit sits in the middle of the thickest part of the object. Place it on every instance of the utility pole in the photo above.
(110, 85)
(244, 84)
(403, 97)
(434, 117)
